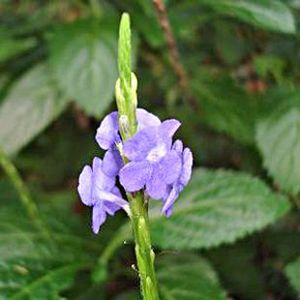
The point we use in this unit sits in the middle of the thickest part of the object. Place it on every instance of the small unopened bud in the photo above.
(119, 96)
(124, 124)
(152, 255)
(134, 82)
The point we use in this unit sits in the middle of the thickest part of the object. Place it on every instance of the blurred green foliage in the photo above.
(237, 230)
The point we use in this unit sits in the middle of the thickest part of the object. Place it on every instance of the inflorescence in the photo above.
(147, 161)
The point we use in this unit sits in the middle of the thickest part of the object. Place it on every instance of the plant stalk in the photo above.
(174, 56)
(126, 97)
(143, 250)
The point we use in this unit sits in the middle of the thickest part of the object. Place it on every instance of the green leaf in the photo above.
(270, 65)
(278, 139)
(20, 238)
(85, 63)
(96, 292)
(268, 14)
(294, 3)
(26, 279)
(30, 266)
(217, 207)
(185, 276)
(230, 46)
(226, 107)
(228, 262)
(32, 103)
(11, 46)
(293, 273)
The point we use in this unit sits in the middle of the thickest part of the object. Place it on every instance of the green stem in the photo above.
(27, 202)
(143, 250)
(126, 98)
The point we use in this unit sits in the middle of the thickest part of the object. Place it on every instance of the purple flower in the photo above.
(153, 163)
(182, 180)
(108, 137)
(98, 190)
(108, 132)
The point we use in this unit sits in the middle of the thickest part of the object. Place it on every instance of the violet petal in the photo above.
(156, 187)
(85, 186)
(146, 119)
(187, 167)
(134, 175)
(99, 216)
(107, 133)
(169, 167)
(112, 163)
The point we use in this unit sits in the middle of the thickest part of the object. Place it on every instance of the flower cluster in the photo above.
(155, 164)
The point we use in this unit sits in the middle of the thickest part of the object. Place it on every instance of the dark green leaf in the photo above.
(294, 3)
(227, 107)
(32, 103)
(278, 139)
(85, 63)
(230, 46)
(228, 262)
(11, 47)
(218, 207)
(269, 14)
(270, 65)
(23, 279)
(30, 266)
(185, 276)
(293, 273)
(96, 292)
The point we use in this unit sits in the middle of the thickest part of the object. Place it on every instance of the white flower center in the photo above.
(157, 153)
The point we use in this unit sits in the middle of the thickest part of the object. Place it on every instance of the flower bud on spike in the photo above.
(152, 255)
(124, 124)
(120, 97)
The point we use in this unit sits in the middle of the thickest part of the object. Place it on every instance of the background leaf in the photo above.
(24, 279)
(218, 207)
(268, 14)
(32, 103)
(231, 259)
(85, 64)
(187, 276)
(278, 140)
(293, 273)
(30, 266)
(11, 46)
(226, 107)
